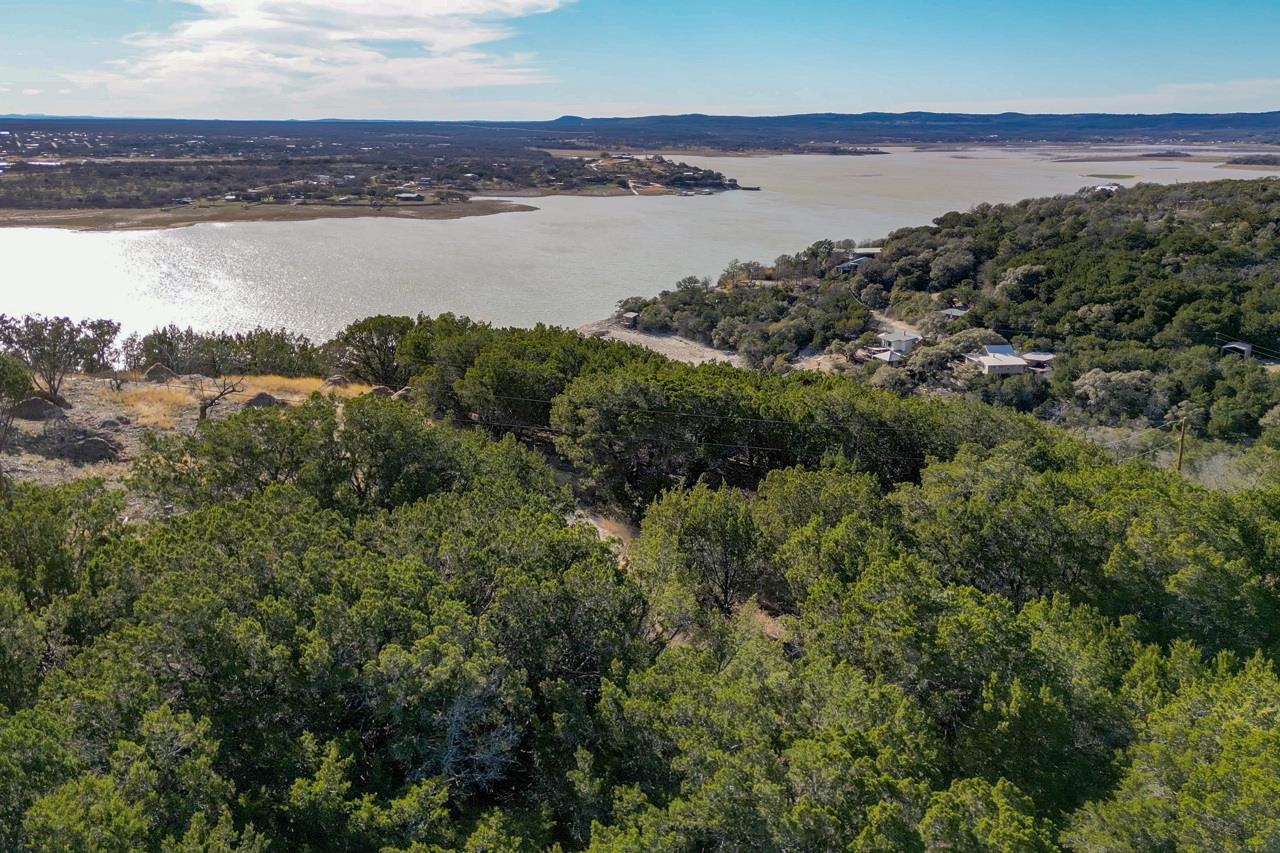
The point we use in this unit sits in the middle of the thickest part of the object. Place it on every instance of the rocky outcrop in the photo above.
(381, 391)
(337, 380)
(159, 373)
(37, 409)
(263, 400)
(406, 394)
(92, 450)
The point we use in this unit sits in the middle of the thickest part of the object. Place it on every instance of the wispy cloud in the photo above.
(1222, 97)
(307, 58)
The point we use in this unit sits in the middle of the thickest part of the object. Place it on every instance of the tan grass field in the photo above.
(164, 406)
(296, 387)
(159, 406)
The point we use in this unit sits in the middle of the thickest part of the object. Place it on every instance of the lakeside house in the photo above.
(850, 266)
(894, 347)
(1003, 360)
(408, 196)
(630, 319)
(1000, 364)
(899, 342)
(854, 259)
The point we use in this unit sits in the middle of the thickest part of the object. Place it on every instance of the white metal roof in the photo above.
(1001, 360)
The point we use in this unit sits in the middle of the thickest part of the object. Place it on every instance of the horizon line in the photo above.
(569, 117)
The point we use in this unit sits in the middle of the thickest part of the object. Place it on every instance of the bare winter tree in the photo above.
(211, 392)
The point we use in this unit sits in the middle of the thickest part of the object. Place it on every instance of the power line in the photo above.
(1255, 347)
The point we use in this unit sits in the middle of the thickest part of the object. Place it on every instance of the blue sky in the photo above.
(458, 59)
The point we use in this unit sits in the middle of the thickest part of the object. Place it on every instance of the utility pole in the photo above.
(1182, 443)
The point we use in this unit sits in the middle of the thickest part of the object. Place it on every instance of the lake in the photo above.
(567, 263)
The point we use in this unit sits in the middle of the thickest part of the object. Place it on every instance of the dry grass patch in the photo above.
(296, 387)
(163, 406)
(158, 406)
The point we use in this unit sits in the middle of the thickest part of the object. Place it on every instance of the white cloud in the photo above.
(1228, 96)
(31, 91)
(309, 58)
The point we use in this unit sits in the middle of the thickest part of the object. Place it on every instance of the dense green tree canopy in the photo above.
(850, 620)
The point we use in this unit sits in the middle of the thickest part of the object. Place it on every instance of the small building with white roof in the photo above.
(899, 342)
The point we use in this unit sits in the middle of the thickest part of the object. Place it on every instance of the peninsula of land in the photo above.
(117, 174)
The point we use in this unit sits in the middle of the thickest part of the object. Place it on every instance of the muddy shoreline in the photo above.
(153, 219)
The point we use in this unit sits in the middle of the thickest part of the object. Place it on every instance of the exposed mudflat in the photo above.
(150, 219)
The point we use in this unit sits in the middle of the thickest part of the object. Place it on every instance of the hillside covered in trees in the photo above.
(850, 619)
(1134, 291)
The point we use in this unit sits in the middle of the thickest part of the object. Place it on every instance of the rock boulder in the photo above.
(159, 373)
(88, 451)
(37, 409)
(262, 400)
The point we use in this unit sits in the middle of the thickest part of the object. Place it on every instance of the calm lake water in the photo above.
(566, 264)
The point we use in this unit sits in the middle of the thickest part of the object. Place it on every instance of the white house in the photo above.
(899, 342)
(999, 360)
(408, 196)
(1001, 364)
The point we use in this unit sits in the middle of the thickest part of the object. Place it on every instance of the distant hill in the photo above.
(865, 128)
(736, 132)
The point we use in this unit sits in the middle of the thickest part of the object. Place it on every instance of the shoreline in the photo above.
(487, 203)
(163, 219)
(672, 346)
